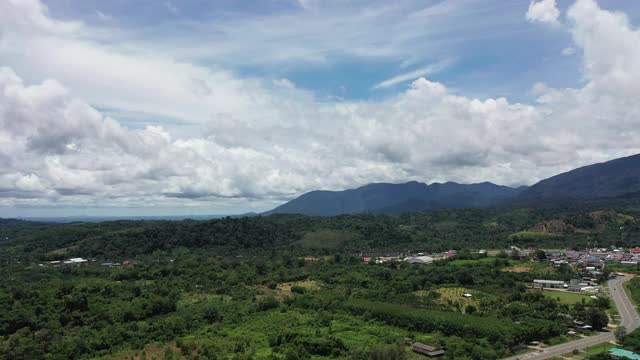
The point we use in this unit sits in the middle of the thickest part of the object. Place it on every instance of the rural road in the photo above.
(628, 318)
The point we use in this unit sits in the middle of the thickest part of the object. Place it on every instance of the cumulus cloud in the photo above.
(261, 142)
(543, 11)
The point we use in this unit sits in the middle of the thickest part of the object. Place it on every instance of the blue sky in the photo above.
(501, 55)
(220, 107)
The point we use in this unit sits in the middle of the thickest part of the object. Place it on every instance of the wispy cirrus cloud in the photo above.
(412, 75)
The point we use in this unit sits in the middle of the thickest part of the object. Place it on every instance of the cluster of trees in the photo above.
(210, 306)
(428, 231)
(447, 323)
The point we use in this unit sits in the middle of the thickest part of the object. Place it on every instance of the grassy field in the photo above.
(586, 353)
(599, 349)
(529, 266)
(565, 297)
(283, 290)
(452, 296)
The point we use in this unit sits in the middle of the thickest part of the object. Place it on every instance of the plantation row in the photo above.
(496, 330)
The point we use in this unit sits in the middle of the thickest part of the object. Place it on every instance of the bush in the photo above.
(298, 289)
(267, 303)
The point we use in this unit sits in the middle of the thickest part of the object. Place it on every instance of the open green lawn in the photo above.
(566, 297)
(586, 353)
(599, 349)
(539, 267)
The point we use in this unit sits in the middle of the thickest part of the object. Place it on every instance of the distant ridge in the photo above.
(619, 178)
(397, 198)
(611, 183)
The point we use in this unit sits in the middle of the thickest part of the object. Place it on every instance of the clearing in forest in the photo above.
(454, 297)
(518, 269)
(283, 290)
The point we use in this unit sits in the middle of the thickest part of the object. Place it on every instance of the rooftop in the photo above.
(538, 281)
(624, 354)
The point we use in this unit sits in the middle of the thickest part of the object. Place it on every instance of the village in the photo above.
(591, 261)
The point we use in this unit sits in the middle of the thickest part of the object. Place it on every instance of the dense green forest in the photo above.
(240, 288)
(426, 232)
(212, 307)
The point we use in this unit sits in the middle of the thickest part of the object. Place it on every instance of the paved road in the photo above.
(628, 318)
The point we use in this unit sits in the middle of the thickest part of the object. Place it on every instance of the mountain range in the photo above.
(617, 178)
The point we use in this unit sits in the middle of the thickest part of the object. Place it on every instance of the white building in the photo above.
(420, 260)
(548, 284)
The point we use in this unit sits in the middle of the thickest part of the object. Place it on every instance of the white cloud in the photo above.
(544, 11)
(103, 17)
(568, 51)
(32, 16)
(252, 142)
(284, 82)
(170, 6)
(316, 33)
(30, 182)
(412, 75)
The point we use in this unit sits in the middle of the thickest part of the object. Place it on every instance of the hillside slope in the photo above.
(397, 198)
(610, 179)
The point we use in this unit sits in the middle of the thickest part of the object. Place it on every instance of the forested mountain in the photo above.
(397, 198)
(609, 184)
(611, 179)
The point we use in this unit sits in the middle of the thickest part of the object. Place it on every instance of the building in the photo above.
(584, 328)
(449, 254)
(427, 350)
(548, 284)
(576, 285)
(420, 260)
(617, 353)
